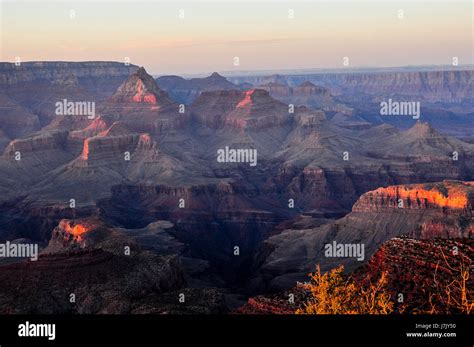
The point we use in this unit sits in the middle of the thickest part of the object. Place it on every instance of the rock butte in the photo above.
(74, 228)
(453, 195)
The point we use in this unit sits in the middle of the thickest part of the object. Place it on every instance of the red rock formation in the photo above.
(450, 194)
(424, 271)
(70, 233)
(251, 109)
(144, 107)
(274, 303)
(97, 126)
(100, 148)
(141, 88)
(211, 106)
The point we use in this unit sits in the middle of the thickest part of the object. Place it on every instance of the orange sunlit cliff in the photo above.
(75, 229)
(448, 194)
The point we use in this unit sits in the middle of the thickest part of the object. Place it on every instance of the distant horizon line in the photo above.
(263, 72)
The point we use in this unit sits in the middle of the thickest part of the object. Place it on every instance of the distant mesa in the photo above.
(276, 78)
(305, 94)
(277, 90)
(186, 91)
(98, 79)
(308, 88)
(434, 85)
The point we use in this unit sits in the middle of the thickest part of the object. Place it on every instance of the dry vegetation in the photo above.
(334, 292)
(374, 292)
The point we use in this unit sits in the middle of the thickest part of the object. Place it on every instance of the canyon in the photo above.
(144, 174)
(448, 109)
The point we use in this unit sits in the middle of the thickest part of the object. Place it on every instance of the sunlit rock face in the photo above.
(70, 234)
(449, 194)
(140, 88)
(411, 267)
(253, 109)
(419, 211)
(144, 107)
(414, 265)
(108, 147)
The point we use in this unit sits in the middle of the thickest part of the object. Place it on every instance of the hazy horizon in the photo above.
(267, 71)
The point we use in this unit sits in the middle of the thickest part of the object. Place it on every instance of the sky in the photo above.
(198, 36)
